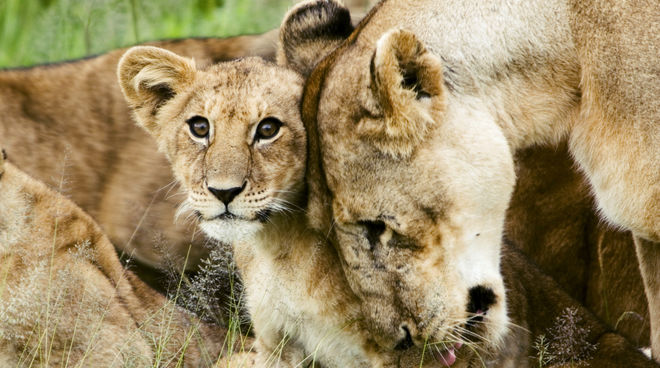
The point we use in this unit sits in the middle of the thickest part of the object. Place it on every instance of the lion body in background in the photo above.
(66, 300)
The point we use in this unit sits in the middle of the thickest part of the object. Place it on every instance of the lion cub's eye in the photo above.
(267, 128)
(374, 230)
(199, 126)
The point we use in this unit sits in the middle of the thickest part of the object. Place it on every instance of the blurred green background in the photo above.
(42, 31)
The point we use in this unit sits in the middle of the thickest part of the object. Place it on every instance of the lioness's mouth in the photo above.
(447, 356)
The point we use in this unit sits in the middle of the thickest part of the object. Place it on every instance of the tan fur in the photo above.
(616, 138)
(528, 72)
(68, 125)
(65, 299)
(300, 302)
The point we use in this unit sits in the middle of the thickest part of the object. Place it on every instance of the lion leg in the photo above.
(622, 164)
(621, 159)
(613, 351)
(648, 254)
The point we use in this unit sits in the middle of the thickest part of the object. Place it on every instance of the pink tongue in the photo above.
(447, 358)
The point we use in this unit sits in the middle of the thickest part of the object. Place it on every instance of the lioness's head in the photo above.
(238, 162)
(411, 186)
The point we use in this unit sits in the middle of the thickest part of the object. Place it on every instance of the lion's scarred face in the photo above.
(233, 134)
(417, 189)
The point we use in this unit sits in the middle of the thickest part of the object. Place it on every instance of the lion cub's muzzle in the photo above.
(231, 203)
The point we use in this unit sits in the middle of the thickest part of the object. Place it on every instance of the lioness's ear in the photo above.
(149, 76)
(310, 31)
(407, 83)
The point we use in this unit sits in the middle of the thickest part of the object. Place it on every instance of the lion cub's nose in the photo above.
(226, 195)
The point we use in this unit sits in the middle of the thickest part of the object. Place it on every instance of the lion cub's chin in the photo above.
(231, 231)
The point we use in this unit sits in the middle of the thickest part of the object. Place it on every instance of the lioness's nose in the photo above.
(226, 195)
(481, 298)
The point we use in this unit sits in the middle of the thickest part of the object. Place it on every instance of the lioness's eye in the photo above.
(267, 128)
(199, 126)
(374, 230)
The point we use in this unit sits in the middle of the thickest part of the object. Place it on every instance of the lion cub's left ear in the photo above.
(408, 87)
(150, 76)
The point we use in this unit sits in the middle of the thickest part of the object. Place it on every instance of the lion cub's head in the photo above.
(232, 132)
(411, 186)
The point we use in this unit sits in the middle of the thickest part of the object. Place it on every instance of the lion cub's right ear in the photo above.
(310, 31)
(150, 76)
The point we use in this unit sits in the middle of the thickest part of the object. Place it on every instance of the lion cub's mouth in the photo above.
(261, 216)
(227, 216)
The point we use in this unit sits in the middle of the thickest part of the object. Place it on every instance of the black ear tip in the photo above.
(4, 154)
(318, 19)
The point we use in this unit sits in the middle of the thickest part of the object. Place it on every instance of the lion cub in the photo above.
(65, 299)
(237, 145)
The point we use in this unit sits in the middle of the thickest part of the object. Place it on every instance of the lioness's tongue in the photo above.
(447, 357)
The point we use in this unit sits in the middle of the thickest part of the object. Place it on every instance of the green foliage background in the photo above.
(42, 31)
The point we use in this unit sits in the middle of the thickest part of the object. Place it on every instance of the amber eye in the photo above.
(267, 128)
(199, 126)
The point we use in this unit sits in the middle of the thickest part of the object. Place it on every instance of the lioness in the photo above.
(68, 125)
(453, 97)
(65, 299)
(237, 145)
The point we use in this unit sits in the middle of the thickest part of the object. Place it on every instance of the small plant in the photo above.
(543, 355)
(214, 292)
(566, 342)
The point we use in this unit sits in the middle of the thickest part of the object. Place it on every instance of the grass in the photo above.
(43, 31)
